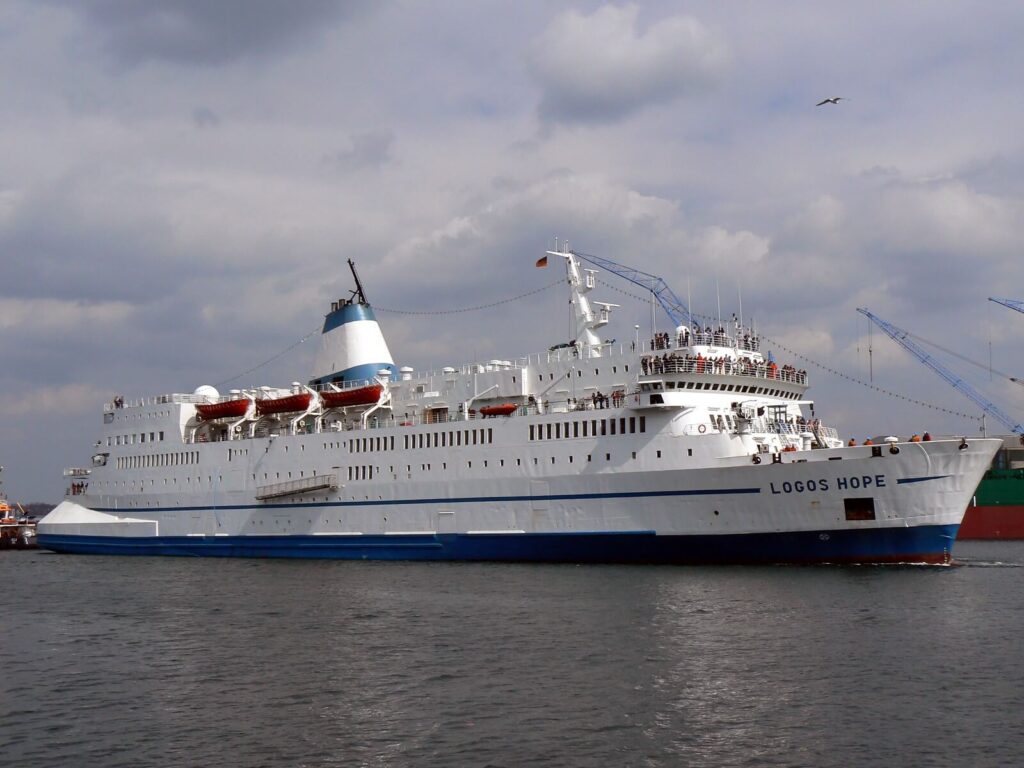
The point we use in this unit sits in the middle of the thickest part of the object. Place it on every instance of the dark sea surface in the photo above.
(203, 662)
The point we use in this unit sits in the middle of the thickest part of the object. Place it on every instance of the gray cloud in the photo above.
(203, 32)
(204, 117)
(366, 150)
(600, 68)
(163, 227)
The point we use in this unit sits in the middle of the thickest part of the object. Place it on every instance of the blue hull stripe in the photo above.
(441, 500)
(907, 480)
(919, 544)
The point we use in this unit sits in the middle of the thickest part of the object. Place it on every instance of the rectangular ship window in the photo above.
(860, 508)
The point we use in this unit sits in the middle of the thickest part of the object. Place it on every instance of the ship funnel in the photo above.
(352, 347)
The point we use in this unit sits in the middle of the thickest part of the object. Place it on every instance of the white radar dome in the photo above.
(207, 391)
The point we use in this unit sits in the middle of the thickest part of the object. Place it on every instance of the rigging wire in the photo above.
(305, 338)
(855, 380)
(983, 366)
(833, 371)
(822, 366)
(268, 361)
(469, 309)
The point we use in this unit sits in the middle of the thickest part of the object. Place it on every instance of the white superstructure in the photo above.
(689, 447)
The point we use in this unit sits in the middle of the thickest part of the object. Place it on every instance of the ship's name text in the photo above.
(851, 483)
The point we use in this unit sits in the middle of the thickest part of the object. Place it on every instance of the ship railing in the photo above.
(669, 364)
(300, 485)
(667, 341)
(793, 429)
(334, 386)
(569, 352)
(830, 432)
(119, 403)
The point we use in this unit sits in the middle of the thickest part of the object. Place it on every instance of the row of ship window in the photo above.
(588, 428)
(743, 388)
(450, 439)
(366, 472)
(132, 439)
(355, 473)
(145, 461)
(579, 373)
(445, 439)
(123, 416)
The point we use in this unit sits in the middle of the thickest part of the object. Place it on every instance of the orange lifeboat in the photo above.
(505, 409)
(367, 395)
(229, 409)
(287, 404)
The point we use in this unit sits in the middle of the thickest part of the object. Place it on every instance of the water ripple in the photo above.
(153, 662)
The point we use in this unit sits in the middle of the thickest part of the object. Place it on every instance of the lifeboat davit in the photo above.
(229, 409)
(367, 395)
(287, 404)
(505, 409)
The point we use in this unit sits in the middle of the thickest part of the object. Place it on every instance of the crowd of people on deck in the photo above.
(688, 363)
(707, 336)
(915, 438)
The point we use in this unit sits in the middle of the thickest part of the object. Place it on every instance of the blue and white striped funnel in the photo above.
(352, 347)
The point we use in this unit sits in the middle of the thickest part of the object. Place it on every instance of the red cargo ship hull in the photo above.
(997, 510)
(1005, 522)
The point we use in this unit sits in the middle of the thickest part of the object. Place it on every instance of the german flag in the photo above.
(542, 261)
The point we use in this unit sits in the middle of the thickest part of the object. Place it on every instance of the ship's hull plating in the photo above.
(921, 544)
(842, 505)
(997, 511)
(993, 522)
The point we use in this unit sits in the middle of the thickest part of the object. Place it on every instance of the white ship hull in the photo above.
(817, 506)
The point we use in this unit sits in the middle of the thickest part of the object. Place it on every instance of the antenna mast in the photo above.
(358, 292)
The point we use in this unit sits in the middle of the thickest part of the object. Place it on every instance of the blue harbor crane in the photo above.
(1011, 303)
(672, 304)
(902, 338)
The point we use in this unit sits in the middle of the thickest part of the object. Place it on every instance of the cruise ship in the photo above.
(693, 446)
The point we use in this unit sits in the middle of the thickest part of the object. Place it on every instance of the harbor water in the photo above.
(171, 661)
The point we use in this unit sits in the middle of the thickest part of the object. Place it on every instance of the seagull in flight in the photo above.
(833, 100)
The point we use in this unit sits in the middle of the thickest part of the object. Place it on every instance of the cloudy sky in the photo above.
(181, 183)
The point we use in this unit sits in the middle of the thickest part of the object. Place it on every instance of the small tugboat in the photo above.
(16, 530)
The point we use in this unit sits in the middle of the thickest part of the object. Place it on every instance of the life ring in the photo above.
(757, 459)
(701, 428)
